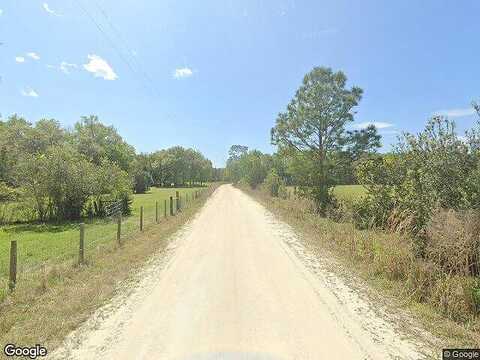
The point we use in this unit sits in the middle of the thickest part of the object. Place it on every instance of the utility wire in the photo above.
(126, 45)
(109, 39)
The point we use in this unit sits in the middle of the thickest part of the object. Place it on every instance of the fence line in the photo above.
(122, 230)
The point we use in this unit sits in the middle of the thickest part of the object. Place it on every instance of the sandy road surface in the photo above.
(233, 288)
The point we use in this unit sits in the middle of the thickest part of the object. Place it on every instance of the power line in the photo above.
(125, 43)
(110, 41)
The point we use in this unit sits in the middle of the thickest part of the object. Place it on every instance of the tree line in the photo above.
(48, 172)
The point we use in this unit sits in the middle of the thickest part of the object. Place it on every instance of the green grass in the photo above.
(349, 192)
(51, 243)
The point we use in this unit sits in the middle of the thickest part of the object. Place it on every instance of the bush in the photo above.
(8, 194)
(453, 242)
(432, 169)
(455, 297)
(273, 183)
(421, 277)
(371, 212)
(339, 210)
(393, 257)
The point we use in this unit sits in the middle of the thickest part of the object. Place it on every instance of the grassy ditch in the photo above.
(48, 304)
(442, 303)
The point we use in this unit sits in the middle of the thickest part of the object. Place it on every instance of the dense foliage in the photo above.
(49, 172)
(435, 169)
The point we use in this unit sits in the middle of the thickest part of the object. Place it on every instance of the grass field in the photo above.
(52, 243)
(349, 192)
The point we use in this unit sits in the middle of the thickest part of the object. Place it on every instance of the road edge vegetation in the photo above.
(343, 241)
(59, 299)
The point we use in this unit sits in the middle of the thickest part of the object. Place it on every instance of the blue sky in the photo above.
(209, 74)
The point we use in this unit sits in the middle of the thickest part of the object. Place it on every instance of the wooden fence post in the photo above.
(13, 265)
(165, 208)
(81, 250)
(177, 202)
(141, 218)
(156, 212)
(119, 229)
(171, 205)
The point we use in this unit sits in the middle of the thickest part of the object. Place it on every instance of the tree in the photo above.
(15, 140)
(142, 178)
(236, 151)
(97, 141)
(46, 133)
(249, 167)
(312, 129)
(476, 106)
(233, 171)
(362, 142)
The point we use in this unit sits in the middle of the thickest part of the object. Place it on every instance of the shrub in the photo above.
(421, 277)
(455, 297)
(283, 192)
(273, 183)
(341, 210)
(393, 257)
(453, 241)
(432, 169)
(8, 194)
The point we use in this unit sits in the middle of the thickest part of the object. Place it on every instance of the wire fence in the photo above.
(25, 262)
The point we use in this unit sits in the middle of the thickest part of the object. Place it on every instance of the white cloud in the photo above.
(1, 12)
(19, 59)
(455, 113)
(377, 124)
(29, 92)
(100, 68)
(33, 55)
(182, 73)
(46, 7)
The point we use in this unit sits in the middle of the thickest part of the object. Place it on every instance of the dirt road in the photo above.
(233, 288)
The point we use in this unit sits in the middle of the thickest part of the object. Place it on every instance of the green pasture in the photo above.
(39, 243)
(349, 192)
